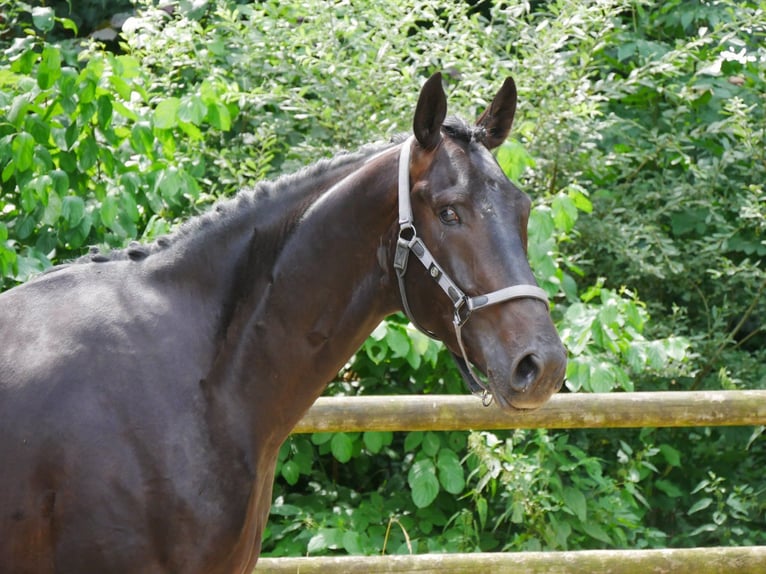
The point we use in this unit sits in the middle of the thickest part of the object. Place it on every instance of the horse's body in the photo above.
(143, 398)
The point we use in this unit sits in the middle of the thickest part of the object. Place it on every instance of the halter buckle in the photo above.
(462, 312)
(407, 235)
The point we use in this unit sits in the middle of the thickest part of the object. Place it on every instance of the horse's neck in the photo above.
(227, 255)
(327, 287)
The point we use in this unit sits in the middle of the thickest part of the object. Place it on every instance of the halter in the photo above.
(463, 305)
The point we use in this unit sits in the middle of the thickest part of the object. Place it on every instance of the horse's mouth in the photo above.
(532, 397)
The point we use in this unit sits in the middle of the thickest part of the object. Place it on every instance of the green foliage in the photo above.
(640, 137)
(544, 492)
(678, 168)
(90, 153)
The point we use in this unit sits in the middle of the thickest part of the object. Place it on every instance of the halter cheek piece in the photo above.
(463, 305)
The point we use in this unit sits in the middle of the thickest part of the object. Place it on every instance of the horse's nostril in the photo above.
(526, 373)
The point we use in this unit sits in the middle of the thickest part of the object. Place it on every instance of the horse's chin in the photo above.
(519, 402)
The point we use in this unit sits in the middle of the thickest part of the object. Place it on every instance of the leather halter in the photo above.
(463, 305)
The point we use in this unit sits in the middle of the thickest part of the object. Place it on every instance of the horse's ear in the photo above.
(430, 113)
(498, 117)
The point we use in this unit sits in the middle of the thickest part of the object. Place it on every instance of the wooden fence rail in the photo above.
(607, 410)
(746, 560)
(610, 410)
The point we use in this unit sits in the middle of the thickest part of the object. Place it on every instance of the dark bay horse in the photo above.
(144, 395)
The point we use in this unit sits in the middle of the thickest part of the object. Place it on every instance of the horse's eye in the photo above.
(449, 216)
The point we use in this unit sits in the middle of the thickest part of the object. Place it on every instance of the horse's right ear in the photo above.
(430, 113)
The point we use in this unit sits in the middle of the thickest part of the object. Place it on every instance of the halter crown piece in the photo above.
(409, 242)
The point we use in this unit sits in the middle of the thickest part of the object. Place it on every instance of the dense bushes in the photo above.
(640, 137)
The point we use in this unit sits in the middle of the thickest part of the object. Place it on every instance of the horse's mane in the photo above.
(296, 185)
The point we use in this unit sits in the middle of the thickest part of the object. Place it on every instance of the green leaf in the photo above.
(414, 359)
(595, 531)
(23, 148)
(73, 210)
(326, 538)
(17, 113)
(413, 441)
(87, 90)
(431, 443)
(28, 199)
(68, 24)
(481, 510)
(24, 63)
(319, 438)
(290, 472)
(8, 171)
(701, 504)
(25, 225)
(43, 17)
(170, 184)
(49, 70)
(669, 488)
(398, 342)
(109, 211)
(122, 87)
(423, 482)
(671, 455)
(192, 110)
(67, 82)
(564, 213)
(285, 510)
(142, 139)
(219, 117)
(579, 198)
(352, 542)
(166, 113)
(87, 153)
(105, 110)
(373, 441)
(39, 129)
(514, 159)
(341, 447)
(541, 224)
(77, 236)
(451, 474)
(575, 501)
(194, 133)
(71, 134)
(209, 92)
(601, 379)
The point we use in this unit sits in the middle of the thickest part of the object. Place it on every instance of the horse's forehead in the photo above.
(473, 166)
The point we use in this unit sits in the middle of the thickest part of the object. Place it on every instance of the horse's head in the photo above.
(468, 227)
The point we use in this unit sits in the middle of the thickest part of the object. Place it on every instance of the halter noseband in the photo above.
(463, 305)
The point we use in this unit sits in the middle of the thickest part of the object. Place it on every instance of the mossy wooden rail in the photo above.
(611, 410)
(607, 410)
(747, 560)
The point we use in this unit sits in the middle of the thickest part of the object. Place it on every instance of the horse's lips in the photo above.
(515, 405)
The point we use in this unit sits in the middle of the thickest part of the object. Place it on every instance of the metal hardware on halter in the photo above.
(409, 242)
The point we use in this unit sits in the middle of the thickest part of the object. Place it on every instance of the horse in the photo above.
(145, 393)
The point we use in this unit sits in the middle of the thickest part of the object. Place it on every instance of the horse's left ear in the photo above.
(498, 117)
(430, 113)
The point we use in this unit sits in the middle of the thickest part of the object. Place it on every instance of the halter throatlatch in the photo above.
(463, 305)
